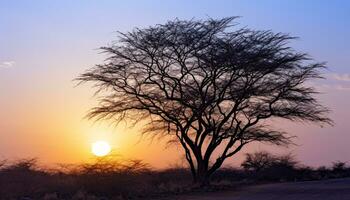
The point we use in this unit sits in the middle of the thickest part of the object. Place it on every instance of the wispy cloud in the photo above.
(332, 87)
(7, 64)
(334, 82)
(341, 77)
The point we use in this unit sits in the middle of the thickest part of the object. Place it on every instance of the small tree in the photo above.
(258, 161)
(208, 85)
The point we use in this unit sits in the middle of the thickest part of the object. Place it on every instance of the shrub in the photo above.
(257, 161)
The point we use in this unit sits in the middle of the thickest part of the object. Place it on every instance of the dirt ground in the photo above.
(337, 189)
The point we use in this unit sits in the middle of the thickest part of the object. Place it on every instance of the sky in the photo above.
(44, 45)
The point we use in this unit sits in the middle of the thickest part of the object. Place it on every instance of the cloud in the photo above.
(341, 77)
(7, 64)
(342, 87)
(332, 87)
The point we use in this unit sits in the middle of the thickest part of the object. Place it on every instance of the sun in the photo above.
(100, 148)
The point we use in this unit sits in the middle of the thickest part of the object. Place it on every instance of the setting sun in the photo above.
(100, 148)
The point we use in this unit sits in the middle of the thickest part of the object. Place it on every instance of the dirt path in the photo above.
(337, 189)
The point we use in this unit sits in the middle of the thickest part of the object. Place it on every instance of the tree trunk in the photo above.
(202, 178)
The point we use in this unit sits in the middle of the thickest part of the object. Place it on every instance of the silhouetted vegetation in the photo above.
(120, 179)
(209, 85)
(105, 177)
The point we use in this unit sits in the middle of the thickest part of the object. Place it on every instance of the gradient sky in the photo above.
(46, 44)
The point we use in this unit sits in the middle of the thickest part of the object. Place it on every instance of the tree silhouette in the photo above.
(209, 85)
(258, 161)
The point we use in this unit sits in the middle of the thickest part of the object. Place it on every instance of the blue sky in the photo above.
(309, 18)
(35, 26)
(45, 44)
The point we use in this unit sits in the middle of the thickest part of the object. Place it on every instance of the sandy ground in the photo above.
(337, 189)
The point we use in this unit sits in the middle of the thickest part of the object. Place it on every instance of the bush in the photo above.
(257, 161)
(264, 166)
(340, 169)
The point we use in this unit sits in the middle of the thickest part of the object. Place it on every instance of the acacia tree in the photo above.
(209, 85)
(258, 161)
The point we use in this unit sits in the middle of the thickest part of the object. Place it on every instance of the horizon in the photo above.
(46, 45)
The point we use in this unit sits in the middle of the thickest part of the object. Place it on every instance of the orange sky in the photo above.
(51, 127)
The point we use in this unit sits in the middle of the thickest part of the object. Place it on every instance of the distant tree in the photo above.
(258, 161)
(287, 160)
(273, 167)
(208, 85)
(262, 160)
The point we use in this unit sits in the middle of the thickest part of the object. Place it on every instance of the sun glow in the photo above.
(100, 148)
